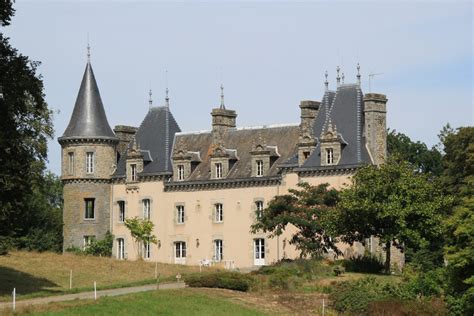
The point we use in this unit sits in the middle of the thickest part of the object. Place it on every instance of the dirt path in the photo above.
(90, 295)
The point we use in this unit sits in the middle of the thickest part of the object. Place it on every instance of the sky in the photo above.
(269, 55)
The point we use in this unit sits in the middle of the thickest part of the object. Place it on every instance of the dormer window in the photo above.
(259, 165)
(90, 162)
(180, 172)
(306, 154)
(133, 172)
(329, 156)
(218, 167)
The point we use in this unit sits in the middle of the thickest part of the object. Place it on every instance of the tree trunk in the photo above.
(387, 257)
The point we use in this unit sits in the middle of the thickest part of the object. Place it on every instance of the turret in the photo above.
(88, 161)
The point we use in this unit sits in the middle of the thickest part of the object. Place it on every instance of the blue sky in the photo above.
(269, 55)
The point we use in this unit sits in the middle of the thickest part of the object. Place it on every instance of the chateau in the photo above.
(203, 190)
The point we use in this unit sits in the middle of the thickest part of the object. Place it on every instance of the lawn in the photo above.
(42, 274)
(170, 302)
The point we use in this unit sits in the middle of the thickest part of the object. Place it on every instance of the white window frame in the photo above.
(180, 214)
(180, 172)
(218, 212)
(329, 156)
(258, 209)
(70, 156)
(121, 211)
(146, 209)
(218, 167)
(120, 248)
(259, 251)
(146, 250)
(88, 239)
(259, 166)
(133, 172)
(90, 162)
(180, 252)
(218, 250)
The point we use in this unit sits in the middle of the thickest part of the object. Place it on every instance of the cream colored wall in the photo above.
(199, 230)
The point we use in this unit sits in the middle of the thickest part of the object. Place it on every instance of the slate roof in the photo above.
(88, 118)
(155, 138)
(345, 110)
(242, 140)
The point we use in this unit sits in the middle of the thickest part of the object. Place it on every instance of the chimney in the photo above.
(222, 121)
(375, 117)
(125, 135)
(307, 141)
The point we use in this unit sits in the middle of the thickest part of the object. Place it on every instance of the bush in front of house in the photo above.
(366, 263)
(224, 280)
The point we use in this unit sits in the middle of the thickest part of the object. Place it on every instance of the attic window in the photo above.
(218, 170)
(259, 168)
(306, 154)
(180, 172)
(329, 156)
(133, 174)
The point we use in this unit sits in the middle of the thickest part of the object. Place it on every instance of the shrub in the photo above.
(338, 270)
(224, 280)
(102, 248)
(284, 279)
(403, 307)
(366, 263)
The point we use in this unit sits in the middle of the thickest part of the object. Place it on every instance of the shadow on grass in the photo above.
(23, 282)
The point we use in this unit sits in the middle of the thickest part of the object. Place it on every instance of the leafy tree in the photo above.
(101, 248)
(26, 126)
(402, 148)
(458, 179)
(395, 204)
(141, 231)
(311, 210)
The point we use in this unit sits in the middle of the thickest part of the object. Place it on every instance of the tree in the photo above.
(141, 231)
(458, 179)
(311, 210)
(395, 204)
(401, 148)
(24, 130)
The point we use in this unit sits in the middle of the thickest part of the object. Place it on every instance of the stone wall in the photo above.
(375, 111)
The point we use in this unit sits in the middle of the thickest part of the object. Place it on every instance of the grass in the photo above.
(170, 302)
(43, 274)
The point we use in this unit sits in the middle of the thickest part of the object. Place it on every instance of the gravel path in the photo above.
(90, 295)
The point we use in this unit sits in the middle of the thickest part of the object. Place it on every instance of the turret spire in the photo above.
(338, 79)
(88, 52)
(358, 74)
(343, 78)
(167, 98)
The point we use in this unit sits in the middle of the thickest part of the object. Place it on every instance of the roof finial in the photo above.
(326, 83)
(358, 74)
(343, 78)
(88, 49)
(222, 96)
(338, 79)
(167, 98)
(150, 100)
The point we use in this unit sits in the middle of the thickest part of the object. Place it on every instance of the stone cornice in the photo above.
(221, 184)
(86, 140)
(329, 170)
(86, 180)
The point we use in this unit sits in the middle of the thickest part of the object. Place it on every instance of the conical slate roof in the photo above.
(88, 118)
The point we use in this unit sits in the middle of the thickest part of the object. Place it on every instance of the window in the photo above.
(90, 162)
(329, 156)
(258, 209)
(180, 248)
(218, 213)
(70, 160)
(259, 251)
(180, 172)
(146, 209)
(121, 216)
(306, 154)
(180, 214)
(120, 248)
(218, 254)
(218, 170)
(146, 250)
(259, 168)
(89, 209)
(133, 172)
(88, 241)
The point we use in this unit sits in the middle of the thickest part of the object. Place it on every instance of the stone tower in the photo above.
(375, 112)
(88, 161)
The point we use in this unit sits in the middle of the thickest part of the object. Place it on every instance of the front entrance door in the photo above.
(180, 252)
